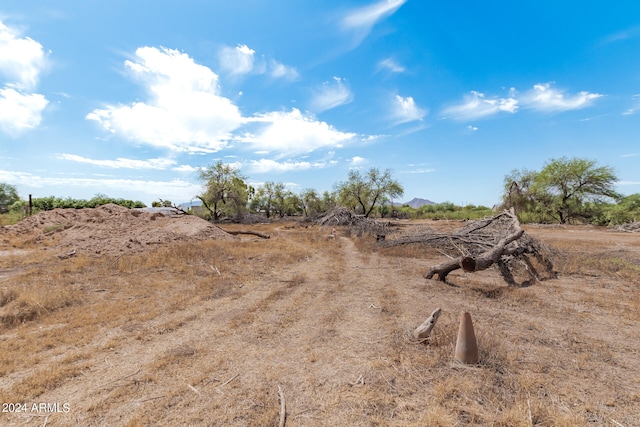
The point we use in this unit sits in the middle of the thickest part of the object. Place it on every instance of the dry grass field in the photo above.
(207, 332)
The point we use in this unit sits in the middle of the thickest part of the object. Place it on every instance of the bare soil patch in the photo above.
(206, 331)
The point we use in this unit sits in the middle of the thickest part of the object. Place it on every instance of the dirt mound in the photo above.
(113, 229)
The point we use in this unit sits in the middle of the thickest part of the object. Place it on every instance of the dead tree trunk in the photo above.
(253, 233)
(483, 260)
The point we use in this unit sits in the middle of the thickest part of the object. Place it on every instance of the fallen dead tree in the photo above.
(497, 240)
(341, 216)
(630, 227)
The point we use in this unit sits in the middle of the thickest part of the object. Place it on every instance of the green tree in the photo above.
(8, 195)
(225, 190)
(565, 189)
(364, 191)
(311, 202)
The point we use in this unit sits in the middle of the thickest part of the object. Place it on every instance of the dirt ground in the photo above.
(158, 321)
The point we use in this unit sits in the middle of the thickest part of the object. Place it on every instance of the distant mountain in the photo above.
(416, 203)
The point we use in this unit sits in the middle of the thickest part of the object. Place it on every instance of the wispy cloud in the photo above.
(122, 163)
(391, 65)
(544, 97)
(629, 33)
(175, 189)
(630, 155)
(22, 60)
(404, 110)
(360, 21)
(476, 106)
(331, 95)
(291, 133)
(268, 165)
(237, 60)
(626, 183)
(242, 60)
(184, 110)
(635, 107)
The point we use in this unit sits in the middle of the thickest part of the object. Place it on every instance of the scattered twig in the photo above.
(359, 381)
(215, 269)
(195, 390)
(616, 423)
(283, 408)
(530, 415)
(117, 379)
(229, 380)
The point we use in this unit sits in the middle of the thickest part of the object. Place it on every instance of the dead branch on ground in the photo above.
(253, 233)
(497, 240)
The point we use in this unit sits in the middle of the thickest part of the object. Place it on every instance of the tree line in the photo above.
(564, 191)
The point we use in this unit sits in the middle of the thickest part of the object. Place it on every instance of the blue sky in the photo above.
(130, 98)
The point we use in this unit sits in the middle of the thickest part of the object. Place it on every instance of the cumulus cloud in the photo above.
(268, 165)
(405, 110)
(292, 133)
(184, 110)
(331, 95)
(361, 20)
(122, 163)
(476, 106)
(22, 60)
(543, 97)
(19, 111)
(391, 65)
(357, 161)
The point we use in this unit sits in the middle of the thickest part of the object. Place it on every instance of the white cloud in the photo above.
(21, 59)
(362, 20)
(119, 163)
(472, 128)
(176, 189)
(237, 60)
(624, 183)
(391, 65)
(291, 133)
(281, 71)
(635, 108)
(405, 110)
(357, 161)
(20, 112)
(267, 165)
(242, 60)
(476, 106)
(331, 95)
(186, 168)
(545, 98)
(184, 111)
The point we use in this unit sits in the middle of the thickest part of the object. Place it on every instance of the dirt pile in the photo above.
(112, 229)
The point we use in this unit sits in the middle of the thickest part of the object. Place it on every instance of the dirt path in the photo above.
(333, 331)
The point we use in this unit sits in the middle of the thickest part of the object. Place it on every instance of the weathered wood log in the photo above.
(423, 331)
(253, 233)
(483, 260)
